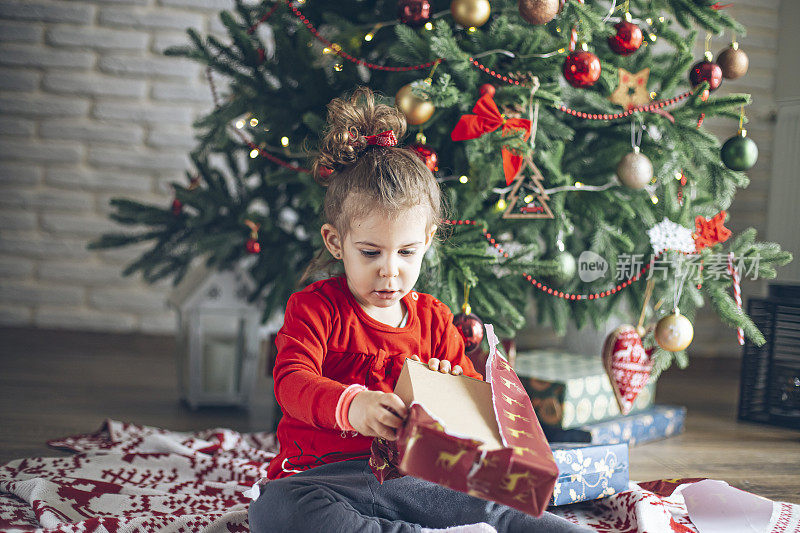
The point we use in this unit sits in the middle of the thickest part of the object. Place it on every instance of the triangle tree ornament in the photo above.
(537, 207)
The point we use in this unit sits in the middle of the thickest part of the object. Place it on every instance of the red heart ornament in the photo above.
(627, 364)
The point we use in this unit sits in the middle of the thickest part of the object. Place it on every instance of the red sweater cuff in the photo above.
(343, 406)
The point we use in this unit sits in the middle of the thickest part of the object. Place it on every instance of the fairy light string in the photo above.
(549, 290)
(651, 107)
(337, 49)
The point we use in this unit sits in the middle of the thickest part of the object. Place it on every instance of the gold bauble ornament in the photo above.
(674, 332)
(538, 11)
(417, 110)
(635, 170)
(733, 62)
(470, 13)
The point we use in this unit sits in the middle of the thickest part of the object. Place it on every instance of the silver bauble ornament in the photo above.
(635, 170)
(538, 11)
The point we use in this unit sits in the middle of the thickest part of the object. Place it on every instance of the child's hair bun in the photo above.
(349, 120)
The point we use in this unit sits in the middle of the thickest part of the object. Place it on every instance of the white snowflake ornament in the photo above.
(667, 235)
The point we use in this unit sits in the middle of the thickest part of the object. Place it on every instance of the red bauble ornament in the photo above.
(427, 155)
(471, 329)
(414, 13)
(177, 207)
(252, 246)
(582, 69)
(488, 88)
(706, 71)
(627, 40)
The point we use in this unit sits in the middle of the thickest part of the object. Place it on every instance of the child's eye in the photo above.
(407, 252)
(369, 253)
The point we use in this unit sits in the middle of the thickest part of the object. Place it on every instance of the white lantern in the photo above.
(218, 338)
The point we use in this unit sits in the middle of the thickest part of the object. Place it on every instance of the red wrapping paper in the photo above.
(518, 470)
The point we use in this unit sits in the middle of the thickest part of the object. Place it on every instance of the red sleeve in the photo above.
(448, 342)
(300, 388)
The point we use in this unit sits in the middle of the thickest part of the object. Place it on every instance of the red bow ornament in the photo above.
(487, 118)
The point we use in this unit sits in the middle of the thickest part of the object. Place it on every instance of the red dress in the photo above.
(327, 343)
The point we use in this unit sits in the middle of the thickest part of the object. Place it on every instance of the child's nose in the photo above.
(389, 268)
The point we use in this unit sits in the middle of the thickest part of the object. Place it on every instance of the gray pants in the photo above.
(345, 497)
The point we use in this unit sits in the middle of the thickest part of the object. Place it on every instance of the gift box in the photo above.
(588, 471)
(657, 422)
(570, 390)
(478, 437)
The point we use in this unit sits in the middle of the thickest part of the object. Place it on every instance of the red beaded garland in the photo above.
(341, 53)
(630, 111)
(549, 290)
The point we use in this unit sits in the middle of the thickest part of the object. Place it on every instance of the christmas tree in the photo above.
(559, 131)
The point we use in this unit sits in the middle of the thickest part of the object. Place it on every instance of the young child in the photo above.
(344, 341)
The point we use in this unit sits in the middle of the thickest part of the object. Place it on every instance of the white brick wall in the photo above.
(91, 109)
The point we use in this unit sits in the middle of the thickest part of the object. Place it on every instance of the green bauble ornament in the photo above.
(739, 152)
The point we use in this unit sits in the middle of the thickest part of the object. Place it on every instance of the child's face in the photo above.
(382, 256)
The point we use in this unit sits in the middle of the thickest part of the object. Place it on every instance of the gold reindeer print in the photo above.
(489, 462)
(520, 450)
(523, 497)
(514, 417)
(509, 483)
(511, 385)
(511, 400)
(503, 364)
(516, 433)
(448, 460)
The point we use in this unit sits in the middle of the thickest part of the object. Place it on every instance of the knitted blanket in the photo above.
(127, 477)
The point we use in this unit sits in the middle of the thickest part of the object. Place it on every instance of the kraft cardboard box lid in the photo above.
(463, 405)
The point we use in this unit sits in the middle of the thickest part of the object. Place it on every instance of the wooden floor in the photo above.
(56, 383)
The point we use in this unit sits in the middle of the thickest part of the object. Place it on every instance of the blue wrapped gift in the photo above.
(588, 471)
(657, 422)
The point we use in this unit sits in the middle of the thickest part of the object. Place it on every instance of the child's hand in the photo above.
(441, 365)
(377, 414)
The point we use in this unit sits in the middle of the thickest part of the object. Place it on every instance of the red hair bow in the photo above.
(487, 118)
(385, 138)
